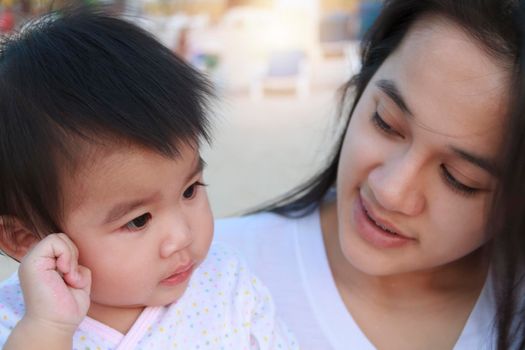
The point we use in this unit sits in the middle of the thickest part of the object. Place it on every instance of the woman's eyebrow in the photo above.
(391, 90)
(479, 161)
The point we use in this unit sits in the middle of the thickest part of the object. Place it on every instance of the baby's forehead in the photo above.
(103, 169)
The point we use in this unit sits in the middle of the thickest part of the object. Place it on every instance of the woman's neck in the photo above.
(416, 310)
(414, 289)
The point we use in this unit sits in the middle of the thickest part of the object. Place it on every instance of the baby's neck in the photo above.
(120, 319)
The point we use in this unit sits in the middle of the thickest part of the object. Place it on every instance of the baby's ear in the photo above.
(15, 238)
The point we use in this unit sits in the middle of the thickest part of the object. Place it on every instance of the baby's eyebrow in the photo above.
(200, 164)
(120, 209)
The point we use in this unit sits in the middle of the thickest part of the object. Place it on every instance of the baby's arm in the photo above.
(56, 295)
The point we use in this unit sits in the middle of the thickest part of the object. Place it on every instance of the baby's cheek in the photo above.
(205, 237)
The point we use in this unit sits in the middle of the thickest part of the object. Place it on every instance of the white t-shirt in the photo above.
(224, 307)
(289, 257)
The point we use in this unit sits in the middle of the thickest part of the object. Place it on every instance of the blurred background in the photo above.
(277, 66)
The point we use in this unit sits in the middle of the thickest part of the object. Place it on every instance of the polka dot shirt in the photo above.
(224, 307)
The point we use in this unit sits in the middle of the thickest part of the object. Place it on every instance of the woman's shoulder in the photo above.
(257, 219)
(267, 237)
(259, 226)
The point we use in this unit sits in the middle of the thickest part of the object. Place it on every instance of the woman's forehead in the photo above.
(447, 80)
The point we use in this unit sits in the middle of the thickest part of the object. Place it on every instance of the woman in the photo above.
(389, 246)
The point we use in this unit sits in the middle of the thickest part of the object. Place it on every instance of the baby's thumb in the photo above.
(84, 278)
(79, 278)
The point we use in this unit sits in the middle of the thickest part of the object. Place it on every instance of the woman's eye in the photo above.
(139, 222)
(456, 185)
(384, 126)
(191, 191)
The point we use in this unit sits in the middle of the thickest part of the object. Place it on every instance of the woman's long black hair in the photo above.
(499, 26)
(507, 217)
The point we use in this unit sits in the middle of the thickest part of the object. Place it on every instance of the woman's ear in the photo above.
(15, 238)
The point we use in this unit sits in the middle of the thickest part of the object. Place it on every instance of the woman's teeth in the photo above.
(385, 229)
(380, 225)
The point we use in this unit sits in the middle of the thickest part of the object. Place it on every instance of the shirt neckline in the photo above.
(337, 323)
(123, 341)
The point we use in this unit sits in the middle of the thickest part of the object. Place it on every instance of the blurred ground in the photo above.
(262, 150)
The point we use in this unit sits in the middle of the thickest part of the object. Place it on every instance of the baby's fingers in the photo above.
(52, 253)
(66, 254)
(55, 287)
(67, 263)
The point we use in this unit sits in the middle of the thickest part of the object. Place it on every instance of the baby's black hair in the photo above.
(82, 76)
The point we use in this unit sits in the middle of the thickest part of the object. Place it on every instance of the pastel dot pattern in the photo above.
(224, 307)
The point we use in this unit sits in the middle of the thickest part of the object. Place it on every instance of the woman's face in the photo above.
(417, 167)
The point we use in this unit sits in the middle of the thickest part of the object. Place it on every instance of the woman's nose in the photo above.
(398, 185)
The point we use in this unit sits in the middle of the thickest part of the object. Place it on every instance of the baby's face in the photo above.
(142, 224)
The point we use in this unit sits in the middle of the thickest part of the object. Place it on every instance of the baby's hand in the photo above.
(56, 288)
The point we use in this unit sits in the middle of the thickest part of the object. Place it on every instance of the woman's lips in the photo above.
(378, 233)
(383, 224)
(179, 276)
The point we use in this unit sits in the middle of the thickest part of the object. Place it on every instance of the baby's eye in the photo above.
(139, 222)
(191, 191)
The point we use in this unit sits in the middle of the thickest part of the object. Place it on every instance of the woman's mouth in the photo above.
(379, 224)
(375, 231)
